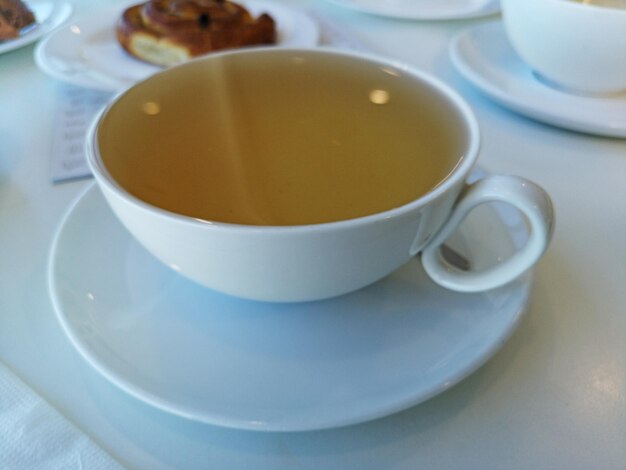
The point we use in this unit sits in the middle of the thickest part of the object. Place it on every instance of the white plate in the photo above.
(49, 15)
(282, 367)
(86, 52)
(483, 55)
(424, 9)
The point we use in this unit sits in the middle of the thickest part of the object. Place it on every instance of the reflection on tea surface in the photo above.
(285, 140)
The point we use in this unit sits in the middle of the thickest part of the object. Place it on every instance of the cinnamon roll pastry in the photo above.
(14, 16)
(168, 32)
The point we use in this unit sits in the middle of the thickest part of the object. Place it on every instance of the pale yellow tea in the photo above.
(286, 139)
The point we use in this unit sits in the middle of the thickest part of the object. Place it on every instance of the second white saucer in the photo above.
(483, 55)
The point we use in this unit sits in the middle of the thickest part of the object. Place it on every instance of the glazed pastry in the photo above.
(14, 16)
(168, 32)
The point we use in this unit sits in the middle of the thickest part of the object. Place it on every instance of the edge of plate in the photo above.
(60, 13)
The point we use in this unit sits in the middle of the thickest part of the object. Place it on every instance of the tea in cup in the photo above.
(576, 45)
(300, 174)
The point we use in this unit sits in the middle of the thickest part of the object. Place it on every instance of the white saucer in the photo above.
(483, 55)
(424, 9)
(86, 52)
(281, 367)
(49, 15)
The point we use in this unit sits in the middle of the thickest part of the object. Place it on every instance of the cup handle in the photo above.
(526, 196)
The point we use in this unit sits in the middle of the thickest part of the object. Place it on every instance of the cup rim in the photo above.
(459, 172)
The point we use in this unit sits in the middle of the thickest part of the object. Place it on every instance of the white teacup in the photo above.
(301, 261)
(574, 44)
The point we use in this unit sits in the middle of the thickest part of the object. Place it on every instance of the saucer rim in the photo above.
(546, 115)
(522, 288)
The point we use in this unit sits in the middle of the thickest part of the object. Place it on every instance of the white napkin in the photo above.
(76, 107)
(35, 435)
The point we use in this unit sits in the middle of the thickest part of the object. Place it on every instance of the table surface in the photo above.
(553, 397)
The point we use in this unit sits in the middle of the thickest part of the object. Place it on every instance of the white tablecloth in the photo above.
(553, 397)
